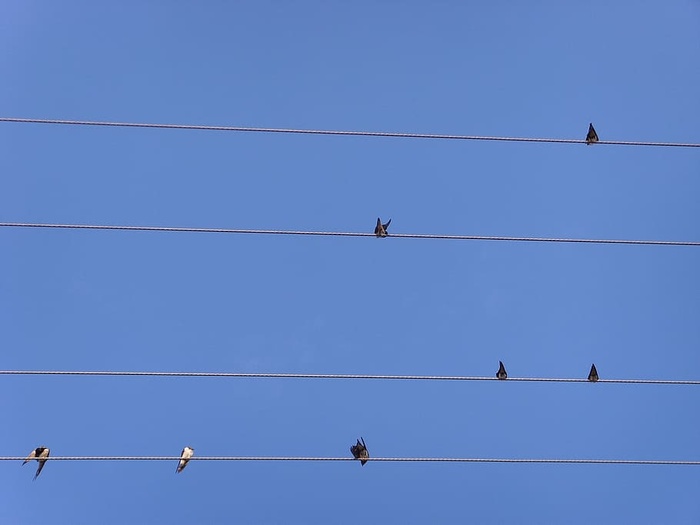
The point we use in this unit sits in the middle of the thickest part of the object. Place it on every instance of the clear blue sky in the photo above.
(79, 300)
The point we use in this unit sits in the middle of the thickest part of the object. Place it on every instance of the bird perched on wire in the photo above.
(501, 374)
(185, 456)
(380, 229)
(360, 451)
(593, 374)
(40, 454)
(592, 135)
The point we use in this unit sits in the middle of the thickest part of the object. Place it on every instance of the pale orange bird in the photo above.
(40, 454)
(380, 230)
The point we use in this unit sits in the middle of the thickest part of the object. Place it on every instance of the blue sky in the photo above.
(91, 300)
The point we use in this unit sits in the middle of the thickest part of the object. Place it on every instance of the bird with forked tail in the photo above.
(359, 451)
(40, 454)
(380, 230)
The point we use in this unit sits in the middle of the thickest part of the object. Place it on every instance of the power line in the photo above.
(343, 234)
(337, 132)
(387, 460)
(342, 376)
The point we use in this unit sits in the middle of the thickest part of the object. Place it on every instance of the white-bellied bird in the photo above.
(187, 453)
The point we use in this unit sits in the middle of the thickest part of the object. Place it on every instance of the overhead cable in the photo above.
(338, 132)
(343, 234)
(387, 460)
(342, 376)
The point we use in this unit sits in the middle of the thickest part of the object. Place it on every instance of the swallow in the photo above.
(501, 374)
(380, 229)
(40, 454)
(360, 452)
(592, 135)
(185, 456)
(593, 374)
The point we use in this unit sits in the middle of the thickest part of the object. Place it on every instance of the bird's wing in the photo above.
(30, 457)
(39, 468)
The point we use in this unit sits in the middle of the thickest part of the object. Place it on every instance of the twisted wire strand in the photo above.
(342, 234)
(270, 375)
(387, 460)
(247, 129)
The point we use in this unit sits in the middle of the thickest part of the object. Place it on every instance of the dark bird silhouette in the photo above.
(380, 229)
(501, 374)
(40, 454)
(360, 452)
(185, 456)
(592, 135)
(593, 374)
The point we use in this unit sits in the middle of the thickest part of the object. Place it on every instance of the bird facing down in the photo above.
(592, 135)
(501, 374)
(380, 229)
(40, 454)
(187, 453)
(360, 452)
(593, 374)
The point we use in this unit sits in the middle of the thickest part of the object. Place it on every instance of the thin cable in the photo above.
(340, 376)
(388, 460)
(336, 132)
(342, 234)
